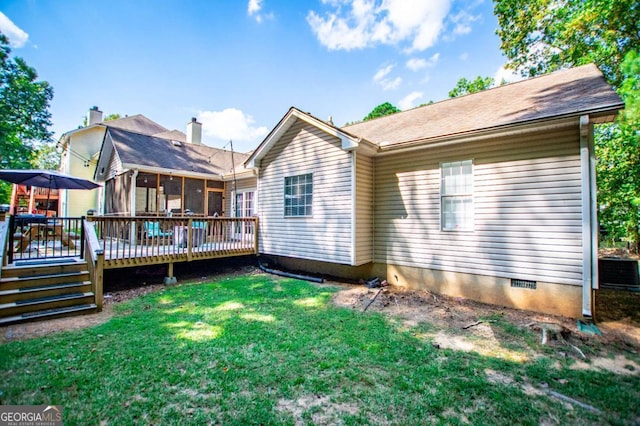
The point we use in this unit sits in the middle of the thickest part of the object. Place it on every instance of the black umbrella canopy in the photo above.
(46, 179)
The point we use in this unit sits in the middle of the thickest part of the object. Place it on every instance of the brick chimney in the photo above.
(94, 116)
(194, 131)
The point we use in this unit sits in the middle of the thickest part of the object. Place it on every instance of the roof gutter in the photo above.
(163, 171)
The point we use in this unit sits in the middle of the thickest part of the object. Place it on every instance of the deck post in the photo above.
(98, 281)
(189, 239)
(255, 234)
(170, 279)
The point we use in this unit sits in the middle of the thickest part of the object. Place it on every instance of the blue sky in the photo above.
(239, 65)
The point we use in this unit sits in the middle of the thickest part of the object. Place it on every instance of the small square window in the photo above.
(298, 195)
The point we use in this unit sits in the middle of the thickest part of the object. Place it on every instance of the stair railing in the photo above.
(94, 256)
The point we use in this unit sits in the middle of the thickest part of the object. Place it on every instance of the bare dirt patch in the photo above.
(323, 410)
(465, 325)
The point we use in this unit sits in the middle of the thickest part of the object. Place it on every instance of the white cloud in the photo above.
(464, 56)
(357, 24)
(17, 37)
(381, 77)
(382, 73)
(409, 101)
(254, 9)
(462, 22)
(232, 124)
(508, 75)
(416, 64)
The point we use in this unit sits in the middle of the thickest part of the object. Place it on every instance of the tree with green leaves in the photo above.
(24, 115)
(466, 87)
(381, 110)
(540, 36)
(618, 166)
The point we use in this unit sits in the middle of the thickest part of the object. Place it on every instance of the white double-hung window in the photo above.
(456, 195)
(298, 195)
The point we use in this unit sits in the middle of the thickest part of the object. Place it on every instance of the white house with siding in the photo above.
(489, 196)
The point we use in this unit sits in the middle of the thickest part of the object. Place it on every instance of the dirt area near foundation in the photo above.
(462, 324)
(455, 323)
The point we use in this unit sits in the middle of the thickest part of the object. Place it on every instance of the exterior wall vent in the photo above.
(532, 285)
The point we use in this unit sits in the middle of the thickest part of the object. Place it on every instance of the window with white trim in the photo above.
(298, 195)
(244, 204)
(456, 196)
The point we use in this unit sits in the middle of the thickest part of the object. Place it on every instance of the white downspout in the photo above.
(354, 211)
(589, 216)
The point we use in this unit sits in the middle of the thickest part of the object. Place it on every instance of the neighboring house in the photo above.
(489, 196)
(172, 174)
(80, 149)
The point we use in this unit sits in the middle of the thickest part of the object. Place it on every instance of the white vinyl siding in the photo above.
(364, 210)
(326, 235)
(527, 209)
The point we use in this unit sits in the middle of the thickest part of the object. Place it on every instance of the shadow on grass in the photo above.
(260, 350)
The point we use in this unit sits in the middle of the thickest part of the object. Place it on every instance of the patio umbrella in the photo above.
(49, 179)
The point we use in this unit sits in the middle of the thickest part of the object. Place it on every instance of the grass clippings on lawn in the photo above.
(257, 349)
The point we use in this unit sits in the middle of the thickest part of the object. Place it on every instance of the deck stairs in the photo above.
(35, 290)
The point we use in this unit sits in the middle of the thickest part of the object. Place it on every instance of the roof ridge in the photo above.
(481, 92)
(205, 146)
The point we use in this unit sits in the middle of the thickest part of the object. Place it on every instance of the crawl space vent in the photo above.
(524, 284)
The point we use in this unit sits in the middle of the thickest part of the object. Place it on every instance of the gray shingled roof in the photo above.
(151, 151)
(174, 135)
(136, 123)
(580, 90)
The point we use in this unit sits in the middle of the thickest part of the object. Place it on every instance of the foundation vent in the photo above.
(532, 285)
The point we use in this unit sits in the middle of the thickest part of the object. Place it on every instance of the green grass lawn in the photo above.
(261, 350)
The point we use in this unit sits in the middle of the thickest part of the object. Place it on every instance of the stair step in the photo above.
(43, 269)
(50, 313)
(46, 302)
(39, 262)
(23, 293)
(7, 283)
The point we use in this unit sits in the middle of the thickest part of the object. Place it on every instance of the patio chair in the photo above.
(153, 230)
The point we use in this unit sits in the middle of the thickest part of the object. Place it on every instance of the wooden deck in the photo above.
(139, 241)
(110, 243)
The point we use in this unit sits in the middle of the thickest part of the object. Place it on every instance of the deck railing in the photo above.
(36, 236)
(150, 239)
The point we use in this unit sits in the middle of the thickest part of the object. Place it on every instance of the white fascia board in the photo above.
(348, 142)
(64, 138)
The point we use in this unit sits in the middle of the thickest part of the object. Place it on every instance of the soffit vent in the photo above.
(532, 285)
